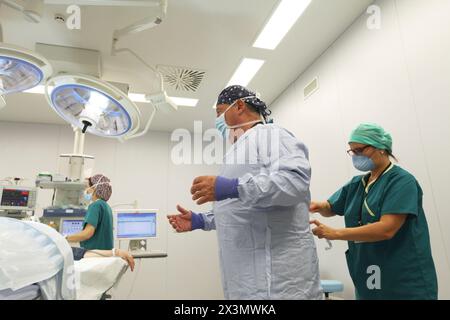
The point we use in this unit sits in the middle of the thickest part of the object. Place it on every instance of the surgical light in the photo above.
(92, 105)
(21, 69)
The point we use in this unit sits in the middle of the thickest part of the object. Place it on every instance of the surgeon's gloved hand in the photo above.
(184, 221)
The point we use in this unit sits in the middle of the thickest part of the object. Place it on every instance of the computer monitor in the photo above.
(71, 226)
(135, 224)
(17, 198)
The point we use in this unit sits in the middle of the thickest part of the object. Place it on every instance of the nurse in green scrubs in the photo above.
(97, 231)
(389, 254)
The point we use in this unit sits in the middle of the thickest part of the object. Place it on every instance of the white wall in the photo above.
(140, 170)
(399, 77)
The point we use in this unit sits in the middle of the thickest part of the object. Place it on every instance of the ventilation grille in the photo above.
(312, 87)
(182, 79)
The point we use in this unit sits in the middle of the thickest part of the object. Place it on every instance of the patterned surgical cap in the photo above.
(102, 186)
(233, 93)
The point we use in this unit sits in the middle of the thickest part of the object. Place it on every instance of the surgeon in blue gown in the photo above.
(260, 205)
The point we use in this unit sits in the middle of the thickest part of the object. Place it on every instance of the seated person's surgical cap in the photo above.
(233, 93)
(102, 186)
(373, 135)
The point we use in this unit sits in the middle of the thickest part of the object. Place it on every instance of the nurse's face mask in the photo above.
(360, 161)
(88, 194)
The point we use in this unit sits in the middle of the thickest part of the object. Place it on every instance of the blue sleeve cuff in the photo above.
(226, 188)
(197, 221)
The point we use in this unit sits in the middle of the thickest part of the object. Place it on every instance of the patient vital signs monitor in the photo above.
(17, 198)
(71, 226)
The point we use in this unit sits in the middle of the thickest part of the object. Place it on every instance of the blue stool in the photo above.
(331, 286)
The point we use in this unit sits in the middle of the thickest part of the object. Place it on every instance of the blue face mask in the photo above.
(363, 163)
(221, 125)
(87, 196)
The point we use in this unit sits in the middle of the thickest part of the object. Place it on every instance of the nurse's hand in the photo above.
(315, 207)
(181, 222)
(323, 208)
(322, 231)
(203, 189)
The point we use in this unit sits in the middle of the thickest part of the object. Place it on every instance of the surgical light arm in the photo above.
(31, 9)
(147, 23)
(113, 3)
(161, 83)
(139, 26)
(144, 24)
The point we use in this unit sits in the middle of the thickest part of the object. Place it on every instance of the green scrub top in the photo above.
(99, 215)
(400, 268)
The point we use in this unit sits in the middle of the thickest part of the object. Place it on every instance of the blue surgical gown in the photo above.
(267, 250)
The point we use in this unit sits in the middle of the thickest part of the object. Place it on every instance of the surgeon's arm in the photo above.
(84, 235)
(187, 220)
(203, 221)
(283, 180)
(285, 183)
(209, 222)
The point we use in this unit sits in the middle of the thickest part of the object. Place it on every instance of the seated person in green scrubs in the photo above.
(98, 223)
(389, 253)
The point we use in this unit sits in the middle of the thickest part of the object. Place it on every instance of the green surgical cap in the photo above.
(373, 135)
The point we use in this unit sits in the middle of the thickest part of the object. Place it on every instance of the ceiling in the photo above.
(209, 35)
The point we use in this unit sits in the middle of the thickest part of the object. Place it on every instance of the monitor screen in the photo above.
(69, 227)
(15, 198)
(136, 225)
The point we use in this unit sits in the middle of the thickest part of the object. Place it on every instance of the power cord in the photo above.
(135, 277)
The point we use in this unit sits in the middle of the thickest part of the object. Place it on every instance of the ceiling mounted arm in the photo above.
(161, 84)
(31, 9)
(107, 3)
(144, 24)
(159, 99)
